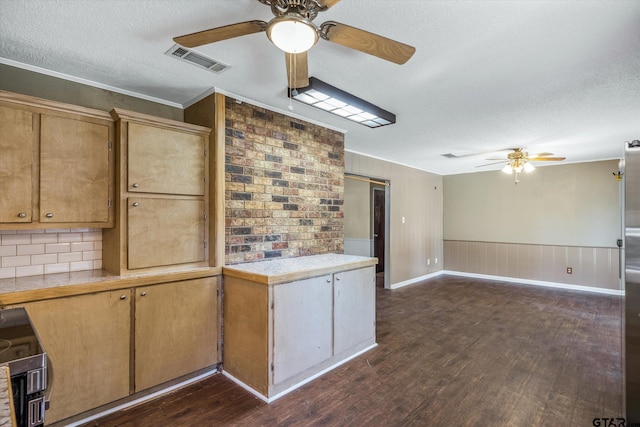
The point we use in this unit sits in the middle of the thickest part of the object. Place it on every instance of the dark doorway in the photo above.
(379, 232)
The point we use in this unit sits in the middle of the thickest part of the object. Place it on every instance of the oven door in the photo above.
(28, 398)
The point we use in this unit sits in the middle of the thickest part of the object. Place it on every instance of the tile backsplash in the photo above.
(37, 252)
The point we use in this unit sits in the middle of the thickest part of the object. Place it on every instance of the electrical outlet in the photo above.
(569, 270)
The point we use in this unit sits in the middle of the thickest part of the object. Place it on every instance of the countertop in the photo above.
(289, 269)
(6, 420)
(33, 288)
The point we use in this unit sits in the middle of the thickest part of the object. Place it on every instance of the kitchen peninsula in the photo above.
(289, 320)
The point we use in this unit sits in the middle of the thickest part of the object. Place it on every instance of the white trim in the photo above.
(297, 385)
(416, 280)
(387, 160)
(278, 110)
(142, 399)
(80, 80)
(538, 283)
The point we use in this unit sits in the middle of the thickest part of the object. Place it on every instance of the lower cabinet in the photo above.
(87, 342)
(278, 335)
(175, 330)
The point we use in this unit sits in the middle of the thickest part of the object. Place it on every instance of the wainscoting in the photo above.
(596, 267)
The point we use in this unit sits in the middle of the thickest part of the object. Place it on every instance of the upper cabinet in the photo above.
(16, 146)
(163, 196)
(165, 161)
(56, 168)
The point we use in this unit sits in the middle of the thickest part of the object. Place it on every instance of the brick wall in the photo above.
(284, 186)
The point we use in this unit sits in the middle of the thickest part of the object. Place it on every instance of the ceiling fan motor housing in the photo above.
(308, 9)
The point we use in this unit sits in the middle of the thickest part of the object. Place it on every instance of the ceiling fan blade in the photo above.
(489, 164)
(367, 42)
(327, 3)
(546, 159)
(221, 33)
(541, 154)
(297, 70)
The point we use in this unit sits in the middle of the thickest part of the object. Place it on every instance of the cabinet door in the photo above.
(16, 150)
(175, 330)
(165, 161)
(74, 171)
(354, 294)
(87, 341)
(302, 326)
(165, 232)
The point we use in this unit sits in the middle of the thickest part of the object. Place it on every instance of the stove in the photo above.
(22, 352)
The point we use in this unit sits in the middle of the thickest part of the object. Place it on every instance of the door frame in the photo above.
(387, 228)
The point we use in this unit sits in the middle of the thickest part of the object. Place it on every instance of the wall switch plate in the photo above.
(429, 261)
(569, 270)
(403, 220)
(435, 261)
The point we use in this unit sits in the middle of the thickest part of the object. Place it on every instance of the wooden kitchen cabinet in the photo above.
(16, 146)
(279, 332)
(87, 341)
(165, 231)
(163, 196)
(74, 171)
(56, 167)
(166, 161)
(176, 327)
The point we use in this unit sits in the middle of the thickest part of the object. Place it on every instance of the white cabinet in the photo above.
(354, 308)
(302, 323)
(279, 334)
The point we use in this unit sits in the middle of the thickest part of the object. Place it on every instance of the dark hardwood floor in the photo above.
(452, 352)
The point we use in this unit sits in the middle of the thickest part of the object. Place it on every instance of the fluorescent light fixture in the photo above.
(328, 98)
(292, 34)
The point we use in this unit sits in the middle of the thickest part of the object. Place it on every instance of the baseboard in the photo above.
(416, 280)
(537, 283)
(299, 384)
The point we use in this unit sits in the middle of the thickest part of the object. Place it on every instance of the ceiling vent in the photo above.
(187, 55)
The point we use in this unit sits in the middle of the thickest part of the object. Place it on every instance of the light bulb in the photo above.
(507, 169)
(292, 34)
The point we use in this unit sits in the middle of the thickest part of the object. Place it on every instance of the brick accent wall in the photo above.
(284, 186)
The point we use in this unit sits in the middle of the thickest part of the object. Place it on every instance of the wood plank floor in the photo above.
(452, 351)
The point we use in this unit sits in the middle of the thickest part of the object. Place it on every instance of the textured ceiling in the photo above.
(553, 76)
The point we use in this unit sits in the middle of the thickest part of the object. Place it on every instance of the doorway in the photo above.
(379, 232)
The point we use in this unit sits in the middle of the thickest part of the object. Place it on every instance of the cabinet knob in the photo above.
(135, 185)
(328, 280)
(337, 278)
(22, 215)
(143, 294)
(123, 297)
(136, 204)
(49, 215)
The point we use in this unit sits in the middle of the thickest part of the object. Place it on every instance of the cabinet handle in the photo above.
(49, 215)
(143, 294)
(123, 297)
(135, 185)
(22, 215)
(136, 204)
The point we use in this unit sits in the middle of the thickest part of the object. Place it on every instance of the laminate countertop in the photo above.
(34, 288)
(284, 270)
(6, 420)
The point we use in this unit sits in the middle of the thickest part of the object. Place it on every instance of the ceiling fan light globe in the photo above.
(528, 167)
(292, 34)
(507, 169)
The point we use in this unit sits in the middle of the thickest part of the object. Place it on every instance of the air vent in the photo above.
(187, 55)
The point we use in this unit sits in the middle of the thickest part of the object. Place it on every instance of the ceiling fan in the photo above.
(293, 31)
(518, 161)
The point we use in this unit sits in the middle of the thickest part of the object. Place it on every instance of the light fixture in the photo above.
(517, 164)
(336, 101)
(293, 34)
